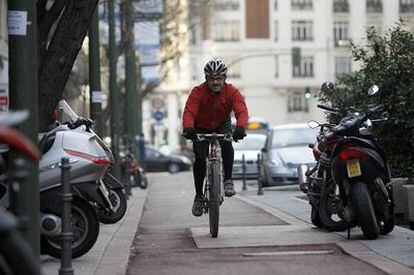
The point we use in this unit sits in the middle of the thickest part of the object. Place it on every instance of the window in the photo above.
(275, 5)
(302, 4)
(276, 66)
(297, 102)
(302, 30)
(257, 19)
(304, 68)
(276, 30)
(341, 35)
(226, 5)
(406, 6)
(342, 66)
(226, 31)
(374, 6)
(340, 6)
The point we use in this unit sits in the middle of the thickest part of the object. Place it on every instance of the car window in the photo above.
(252, 142)
(293, 137)
(152, 153)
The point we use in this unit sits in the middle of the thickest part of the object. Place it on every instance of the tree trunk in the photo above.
(57, 62)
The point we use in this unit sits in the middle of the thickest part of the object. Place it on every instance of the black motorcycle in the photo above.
(354, 176)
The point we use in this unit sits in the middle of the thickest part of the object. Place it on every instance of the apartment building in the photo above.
(278, 49)
(4, 61)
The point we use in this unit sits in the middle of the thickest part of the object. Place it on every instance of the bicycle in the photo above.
(213, 184)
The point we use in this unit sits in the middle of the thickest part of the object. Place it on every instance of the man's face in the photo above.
(215, 82)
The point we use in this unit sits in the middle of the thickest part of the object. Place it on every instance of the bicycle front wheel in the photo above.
(214, 202)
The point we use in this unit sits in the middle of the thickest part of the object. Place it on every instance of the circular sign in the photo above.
(157, 103)
(158, 115)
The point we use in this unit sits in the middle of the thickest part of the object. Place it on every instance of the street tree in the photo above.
(62, 27)
(387, 61)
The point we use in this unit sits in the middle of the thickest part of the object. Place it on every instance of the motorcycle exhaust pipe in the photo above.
(50, 225)
(302, 179)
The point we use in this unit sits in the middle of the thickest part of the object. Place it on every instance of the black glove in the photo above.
(189, 133)
(239, 133)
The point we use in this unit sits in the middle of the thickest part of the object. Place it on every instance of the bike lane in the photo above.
(251, 240)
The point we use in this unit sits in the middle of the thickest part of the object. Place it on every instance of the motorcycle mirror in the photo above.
(373, 90)
(313, 124)
(385, 115)
(328, 87)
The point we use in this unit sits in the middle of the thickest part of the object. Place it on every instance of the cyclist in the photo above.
(208, 110)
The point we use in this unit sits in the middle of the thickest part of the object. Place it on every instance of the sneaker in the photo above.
(229, 188)
(198, 205)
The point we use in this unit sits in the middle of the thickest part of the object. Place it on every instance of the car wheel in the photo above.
(173, 168)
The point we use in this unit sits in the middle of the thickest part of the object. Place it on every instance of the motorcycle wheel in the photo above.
(364, 207)
(119, 201)
(143, 181)
(85, 228)
(330, 208)
(316, 221)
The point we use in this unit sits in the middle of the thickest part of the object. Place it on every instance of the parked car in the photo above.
(286, 147)
(250, 147)
(155, 161)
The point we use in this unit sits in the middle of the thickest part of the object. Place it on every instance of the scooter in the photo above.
(72, 137)
(84, 219)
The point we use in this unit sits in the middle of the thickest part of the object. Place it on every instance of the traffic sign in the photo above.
(158, 115)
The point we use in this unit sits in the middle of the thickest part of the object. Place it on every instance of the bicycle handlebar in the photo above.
(215, 136)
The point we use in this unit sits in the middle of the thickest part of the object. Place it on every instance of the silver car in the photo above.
(287, 146)
(250, 147)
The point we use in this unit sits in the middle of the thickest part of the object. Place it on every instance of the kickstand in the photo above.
(349, 233)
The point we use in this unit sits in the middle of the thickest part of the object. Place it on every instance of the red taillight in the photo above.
(352, 153)
(94, 159)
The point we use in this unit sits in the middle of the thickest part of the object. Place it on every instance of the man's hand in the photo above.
(189, 133)
(239, 133)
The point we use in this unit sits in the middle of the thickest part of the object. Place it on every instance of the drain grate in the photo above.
(288, 253)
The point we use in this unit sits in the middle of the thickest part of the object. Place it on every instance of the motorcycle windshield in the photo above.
(66, 114)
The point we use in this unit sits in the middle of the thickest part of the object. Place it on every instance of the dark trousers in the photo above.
(201, 153)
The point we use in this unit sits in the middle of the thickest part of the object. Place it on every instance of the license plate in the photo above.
(353, 168)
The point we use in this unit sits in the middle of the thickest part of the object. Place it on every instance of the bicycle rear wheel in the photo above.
(214, 202)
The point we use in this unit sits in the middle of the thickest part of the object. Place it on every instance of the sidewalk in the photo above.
(111, 251)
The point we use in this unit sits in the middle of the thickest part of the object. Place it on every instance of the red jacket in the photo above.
(206, 110)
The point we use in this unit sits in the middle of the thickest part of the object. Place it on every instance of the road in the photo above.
(255, 237)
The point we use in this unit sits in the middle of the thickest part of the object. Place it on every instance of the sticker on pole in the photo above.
(96, 97)
(17, 22)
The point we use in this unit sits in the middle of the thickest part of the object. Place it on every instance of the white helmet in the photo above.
(215, 67)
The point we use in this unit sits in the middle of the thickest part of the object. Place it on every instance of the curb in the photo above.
(361, 252)
(115, 257)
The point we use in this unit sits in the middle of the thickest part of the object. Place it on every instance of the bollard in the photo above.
(244, 172)
(259, 182)
(67, 235)
(127, 181)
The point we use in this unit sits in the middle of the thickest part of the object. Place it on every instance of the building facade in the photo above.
(279, 50)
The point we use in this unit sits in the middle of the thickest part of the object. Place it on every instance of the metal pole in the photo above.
(244, 172)
(114, 98)
(95, 74)
(259, 182)
(23, 82)
(67, 235)
(127, 181)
